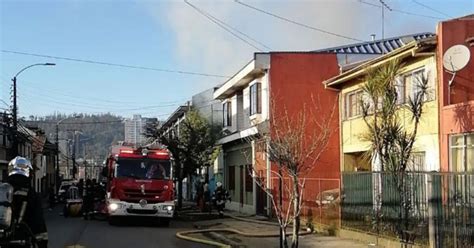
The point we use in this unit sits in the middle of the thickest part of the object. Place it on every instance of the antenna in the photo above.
(384, 5)
(455, 59)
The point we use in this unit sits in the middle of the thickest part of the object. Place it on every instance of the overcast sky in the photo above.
(172, 35)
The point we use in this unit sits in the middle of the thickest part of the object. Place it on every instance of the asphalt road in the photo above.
(78, 233)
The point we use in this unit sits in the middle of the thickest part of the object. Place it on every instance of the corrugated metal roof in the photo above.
(378, 46)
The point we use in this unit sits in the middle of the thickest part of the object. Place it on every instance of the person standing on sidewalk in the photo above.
(220, 197)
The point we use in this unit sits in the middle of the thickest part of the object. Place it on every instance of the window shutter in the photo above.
(229, 114)
(259, 98)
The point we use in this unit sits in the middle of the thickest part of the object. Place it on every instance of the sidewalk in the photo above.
(255, 226)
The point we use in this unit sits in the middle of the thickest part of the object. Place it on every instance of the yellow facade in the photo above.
(353, 129)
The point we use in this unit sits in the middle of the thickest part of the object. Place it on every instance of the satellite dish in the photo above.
(456, 58)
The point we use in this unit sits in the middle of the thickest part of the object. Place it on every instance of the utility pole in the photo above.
(67, 158)
(15, 121)
(74, 169)
(15, 108)
(57, 158)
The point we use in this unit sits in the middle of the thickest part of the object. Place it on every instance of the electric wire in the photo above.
(297, 23)
(401, 11)
(432, 9)
(227, 27)
(114, 64)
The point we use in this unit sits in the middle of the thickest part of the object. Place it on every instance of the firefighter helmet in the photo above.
(20, 166)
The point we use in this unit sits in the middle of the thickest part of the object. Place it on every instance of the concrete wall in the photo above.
(296, 86)
(456, 101)
(208, 107)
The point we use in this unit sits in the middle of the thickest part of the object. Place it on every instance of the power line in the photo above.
(115, 64)
(79, 123)
(58, 92)
(295, 22)
(95, 106)
(227, 27)
(401, 11)
(432, 9)
(6, 104)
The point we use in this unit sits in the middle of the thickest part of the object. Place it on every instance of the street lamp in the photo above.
(14, 110)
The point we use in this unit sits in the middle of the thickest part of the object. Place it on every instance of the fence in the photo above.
(321, 200)
(438, 209)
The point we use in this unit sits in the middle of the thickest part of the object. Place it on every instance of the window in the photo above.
(417, 162)
(353, 104)
(462, 152)
(408, 86)
(227, 114)
(256, 99)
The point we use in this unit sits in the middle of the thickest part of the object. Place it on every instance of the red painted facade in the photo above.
(296, 86)
(456, 101)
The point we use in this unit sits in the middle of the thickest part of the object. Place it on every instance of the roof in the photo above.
(407, 50)
(180, 111)
(376, 46)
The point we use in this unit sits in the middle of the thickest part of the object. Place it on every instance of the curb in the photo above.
(252, 221)
(182, 235)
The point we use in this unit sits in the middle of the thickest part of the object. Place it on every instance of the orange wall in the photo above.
(296, 79)
(457, 101)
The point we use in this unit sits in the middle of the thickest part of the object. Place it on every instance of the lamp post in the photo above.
(14, 110)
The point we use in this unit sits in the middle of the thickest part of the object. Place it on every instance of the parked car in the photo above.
(328, 197)
(63, 188)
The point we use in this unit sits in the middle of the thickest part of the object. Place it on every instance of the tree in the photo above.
(294, 145)
(194, 147)
(392, 142)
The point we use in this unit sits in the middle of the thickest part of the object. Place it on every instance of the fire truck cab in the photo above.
(139, 183)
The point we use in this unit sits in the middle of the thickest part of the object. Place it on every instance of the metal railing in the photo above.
(438, 208)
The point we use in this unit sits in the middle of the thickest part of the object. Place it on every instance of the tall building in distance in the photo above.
(134, 129)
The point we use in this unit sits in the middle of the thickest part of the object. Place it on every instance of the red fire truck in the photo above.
(139, 183)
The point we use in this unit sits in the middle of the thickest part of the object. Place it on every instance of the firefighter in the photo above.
(220, 197)
(27, 207)
(88, 199)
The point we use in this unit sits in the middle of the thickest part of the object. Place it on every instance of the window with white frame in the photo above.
(462, 152)
(408, 86)
(256, 99)
(227, 114)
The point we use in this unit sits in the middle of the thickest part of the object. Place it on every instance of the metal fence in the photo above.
(439, 206)
(321, 200)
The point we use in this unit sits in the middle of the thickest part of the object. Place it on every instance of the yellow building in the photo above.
(418, 58)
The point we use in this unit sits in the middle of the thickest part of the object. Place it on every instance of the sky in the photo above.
(173, 36)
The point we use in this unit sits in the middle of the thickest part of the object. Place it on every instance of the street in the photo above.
(76, 232)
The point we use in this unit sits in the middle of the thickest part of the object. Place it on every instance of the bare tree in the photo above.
(392, 141)
(294, 145)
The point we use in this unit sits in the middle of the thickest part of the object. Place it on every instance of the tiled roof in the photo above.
(378, 46)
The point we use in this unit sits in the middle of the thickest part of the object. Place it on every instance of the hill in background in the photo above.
(94, 133)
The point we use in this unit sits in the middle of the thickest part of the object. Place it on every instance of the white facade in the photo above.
(238, 153)
(134, 129)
